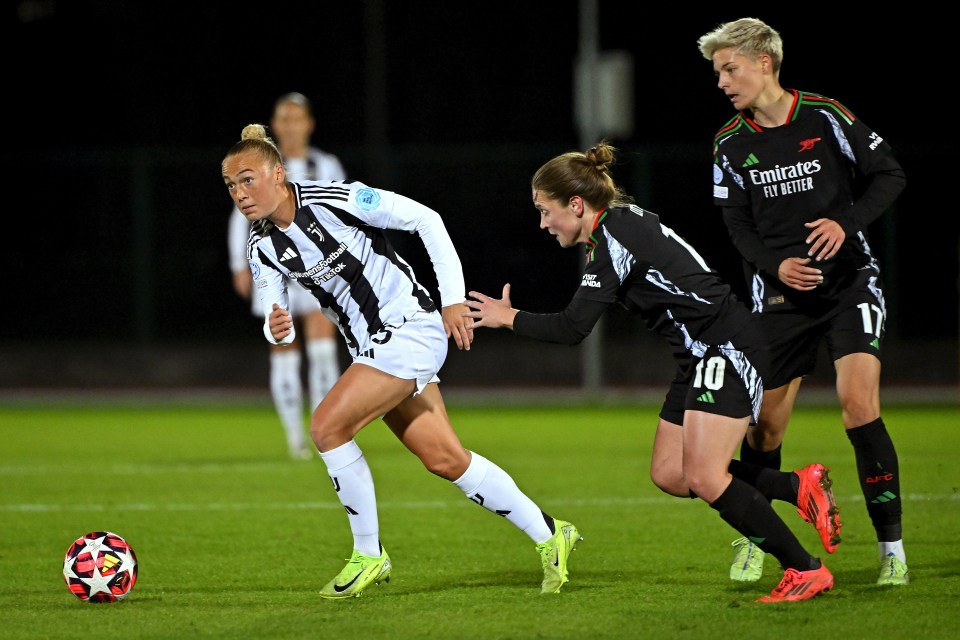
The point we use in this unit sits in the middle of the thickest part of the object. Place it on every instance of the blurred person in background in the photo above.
(634, 260)
(330, 237)
(799, 178)
(293, 125)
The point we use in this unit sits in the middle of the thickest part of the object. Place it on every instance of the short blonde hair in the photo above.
(750, 36)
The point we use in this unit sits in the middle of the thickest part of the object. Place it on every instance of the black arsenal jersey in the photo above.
(636, 261)
(822, 163)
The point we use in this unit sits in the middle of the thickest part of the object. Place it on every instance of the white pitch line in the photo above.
(149, 469)
(406, 505)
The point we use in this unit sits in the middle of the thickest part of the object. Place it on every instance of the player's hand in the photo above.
(455, 325)
(490, 312)
(795, 273)
(826, 238)
(280, 322)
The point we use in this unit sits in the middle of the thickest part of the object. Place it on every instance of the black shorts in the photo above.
(720, 379)
(854, 326)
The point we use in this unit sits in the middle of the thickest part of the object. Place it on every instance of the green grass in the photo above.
(235, 541)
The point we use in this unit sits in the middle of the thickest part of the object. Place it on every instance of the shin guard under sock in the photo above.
(879, 471)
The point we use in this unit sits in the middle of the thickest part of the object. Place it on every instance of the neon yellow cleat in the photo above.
(361, 571)
(554, 554)
(892, 571)
(748, 562)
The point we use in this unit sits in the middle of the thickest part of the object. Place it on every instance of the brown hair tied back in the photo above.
(601, 156)
(581, 174)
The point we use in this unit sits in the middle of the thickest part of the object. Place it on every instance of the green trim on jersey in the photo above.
(800, 99)
(818, 101)
(591, 245)
(734, 125)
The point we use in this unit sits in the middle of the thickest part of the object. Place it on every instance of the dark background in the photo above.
(119, 114)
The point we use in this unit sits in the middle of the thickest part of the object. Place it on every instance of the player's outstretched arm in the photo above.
(491, 312)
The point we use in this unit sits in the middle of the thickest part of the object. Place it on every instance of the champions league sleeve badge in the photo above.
(718, 191)
(367, 199)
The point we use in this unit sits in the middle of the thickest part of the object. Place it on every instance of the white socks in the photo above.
(896, 548)
(287, 394)
(489, 486)
(351, 479)
(324, 368)
(483, 482)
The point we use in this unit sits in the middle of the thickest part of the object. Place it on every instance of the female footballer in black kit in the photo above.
(799, 178)
(636, 261)
(328, 236)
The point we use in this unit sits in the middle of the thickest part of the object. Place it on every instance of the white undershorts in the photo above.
(414, 351)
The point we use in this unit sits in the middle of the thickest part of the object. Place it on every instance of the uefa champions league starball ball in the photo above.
(100, 567)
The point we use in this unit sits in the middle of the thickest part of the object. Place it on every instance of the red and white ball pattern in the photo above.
(100, 567)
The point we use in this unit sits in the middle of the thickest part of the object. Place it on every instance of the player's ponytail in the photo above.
(254, 138)
(581, 174)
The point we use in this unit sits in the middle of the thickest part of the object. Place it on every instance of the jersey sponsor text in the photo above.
(320, 266)
(590, 280)
(780, 174)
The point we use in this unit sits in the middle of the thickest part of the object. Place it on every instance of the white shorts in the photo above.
(415, 351)
(302, 301)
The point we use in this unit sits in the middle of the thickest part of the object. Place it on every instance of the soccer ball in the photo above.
(100, 567)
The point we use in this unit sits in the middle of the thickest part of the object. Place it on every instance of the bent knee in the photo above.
(707, 486)
(327, 436)
(447, 465)
(857, 413)
(765, 440)
(670, 483)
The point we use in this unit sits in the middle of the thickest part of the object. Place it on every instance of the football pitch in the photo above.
(234, 540)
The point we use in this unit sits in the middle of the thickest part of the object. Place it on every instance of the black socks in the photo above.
(879, 471)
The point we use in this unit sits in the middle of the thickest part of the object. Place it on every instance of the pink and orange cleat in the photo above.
(801, 585)
(816, 504)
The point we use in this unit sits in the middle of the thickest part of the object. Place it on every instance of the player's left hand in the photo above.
(456, 325)
(491, 312)
(826, 238)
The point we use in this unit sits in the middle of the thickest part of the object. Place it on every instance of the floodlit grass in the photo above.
(235, 541)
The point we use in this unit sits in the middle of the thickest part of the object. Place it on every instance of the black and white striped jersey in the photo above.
(317, 165)
(337, 249)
